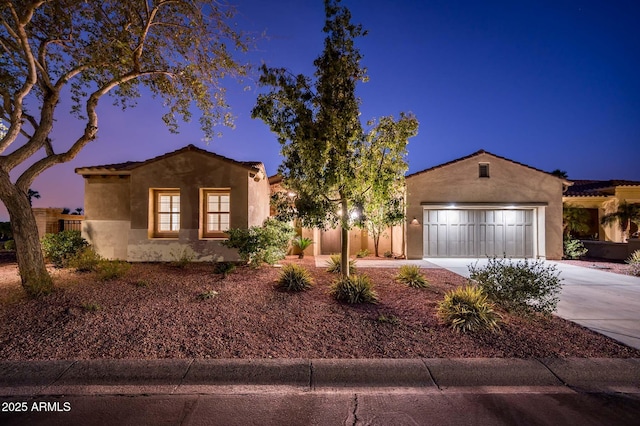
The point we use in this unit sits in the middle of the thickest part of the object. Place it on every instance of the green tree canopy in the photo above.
(178, 50)
(329, 162)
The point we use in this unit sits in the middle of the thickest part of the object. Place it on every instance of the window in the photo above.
(215, 213)
(167, 213)
(483, 170)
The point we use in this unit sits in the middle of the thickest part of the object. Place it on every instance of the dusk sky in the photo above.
(552, 84)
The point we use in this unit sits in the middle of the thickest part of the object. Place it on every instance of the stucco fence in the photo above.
(611, 251)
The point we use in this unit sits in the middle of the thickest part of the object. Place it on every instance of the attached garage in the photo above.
(484, 205)
(479, 232)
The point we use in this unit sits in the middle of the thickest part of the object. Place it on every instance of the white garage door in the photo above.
(478, 233)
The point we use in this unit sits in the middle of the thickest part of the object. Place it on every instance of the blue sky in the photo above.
(552, 84)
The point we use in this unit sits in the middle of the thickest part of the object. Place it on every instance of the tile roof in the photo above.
(597, 188)
(126, 167)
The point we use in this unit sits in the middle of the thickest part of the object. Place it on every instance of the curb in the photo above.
(199, 376)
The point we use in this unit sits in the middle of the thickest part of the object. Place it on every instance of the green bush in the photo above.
(574, 249)
(91, 307)
(519, 286)
(261, 244)
(354, 289)
(61, 247)
(362, 253)
(10, 245)
(634, 263)
(112, 269)
(85, 260)
(224, 268)
(294, 278)
(467, 309)
(388, 254)
(411, 276)
(334, 264)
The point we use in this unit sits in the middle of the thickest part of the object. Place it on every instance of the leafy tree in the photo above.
(328, 160)
(574, 219)
(84, 50)
(626, 213)
(5, 231)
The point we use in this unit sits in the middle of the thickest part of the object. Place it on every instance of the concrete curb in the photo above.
(188, 376)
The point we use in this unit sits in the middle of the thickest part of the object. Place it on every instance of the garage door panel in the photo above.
(478, 233)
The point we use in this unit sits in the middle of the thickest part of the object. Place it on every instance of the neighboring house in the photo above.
(180, 203)
(52, 220)
(484, 205)
(601, 197)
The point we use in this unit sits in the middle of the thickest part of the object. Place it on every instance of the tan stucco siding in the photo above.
(108, 237)
(189, 173)
(259, 196)
(107, 198)
(508, 182)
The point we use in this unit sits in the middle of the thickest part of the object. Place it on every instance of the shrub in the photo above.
(182, 257)
(574, 249)
(85, 260)
(354, 289)
(294, 278)
(91, 307)
(411, 276)
(302, 243)
(362, 253)
(520, 286)
(224, 268)
(334, 264)
(634, 263)
(10, 245)
(391, 319)
(388, 254)
(207, 295)
(467, 309)
(261, 244)
(112, 269)
(60, 247)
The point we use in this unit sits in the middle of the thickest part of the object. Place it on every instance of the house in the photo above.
(601, 197)
(177, 204)
(476, 206)
(484, 205)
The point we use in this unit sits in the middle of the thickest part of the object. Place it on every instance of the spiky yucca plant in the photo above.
(354, 289)
(634, 263)
(294, 278)
(411, 276)
(334, 264)
(467, 309)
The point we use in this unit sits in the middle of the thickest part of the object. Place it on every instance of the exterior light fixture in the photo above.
(414, 221)
(354, 215)
(291, 194)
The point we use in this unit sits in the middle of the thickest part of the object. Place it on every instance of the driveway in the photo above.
(605, 302)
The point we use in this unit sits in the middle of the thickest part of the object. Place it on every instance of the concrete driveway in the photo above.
(605, 302)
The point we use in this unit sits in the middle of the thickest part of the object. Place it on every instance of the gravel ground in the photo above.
(155, 312)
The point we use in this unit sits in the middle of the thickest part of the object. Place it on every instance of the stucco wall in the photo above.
(509, 182)
(107, 215)
(259, 197)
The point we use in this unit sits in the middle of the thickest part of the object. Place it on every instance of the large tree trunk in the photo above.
(36, 281)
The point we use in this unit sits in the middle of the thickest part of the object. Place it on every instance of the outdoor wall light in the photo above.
(414, 221)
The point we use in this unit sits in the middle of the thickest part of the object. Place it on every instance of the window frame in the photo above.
(156, 212)
(204, 213)
(483, 170)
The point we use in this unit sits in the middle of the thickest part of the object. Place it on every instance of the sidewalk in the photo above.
(321, 391)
